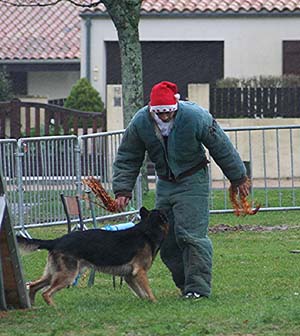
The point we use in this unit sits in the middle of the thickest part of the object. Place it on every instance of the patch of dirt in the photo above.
(258, 228)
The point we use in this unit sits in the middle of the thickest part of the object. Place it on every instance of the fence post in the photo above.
(19, 174)
(139, 191)
(199, 93)
(15, 122)
(114, 108)
(77, 149)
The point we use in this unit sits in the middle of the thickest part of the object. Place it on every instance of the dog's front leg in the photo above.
(140, 285)
(143, 282)
(134, 286)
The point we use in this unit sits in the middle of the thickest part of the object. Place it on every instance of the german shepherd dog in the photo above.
(128, 253)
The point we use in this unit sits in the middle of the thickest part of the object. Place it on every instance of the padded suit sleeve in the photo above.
(129, 159)
(222, 150)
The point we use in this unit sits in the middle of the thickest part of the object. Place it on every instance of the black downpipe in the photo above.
(88, 24)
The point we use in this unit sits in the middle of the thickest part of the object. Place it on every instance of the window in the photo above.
(291, 57)
(19, 82)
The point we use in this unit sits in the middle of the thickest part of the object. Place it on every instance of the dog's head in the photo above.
(155, 218)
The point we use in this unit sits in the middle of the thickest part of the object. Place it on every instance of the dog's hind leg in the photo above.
(37, 285)
(66, 271)
(60, 281)
(42, 282)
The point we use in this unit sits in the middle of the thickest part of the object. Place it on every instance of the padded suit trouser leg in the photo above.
(187, 250)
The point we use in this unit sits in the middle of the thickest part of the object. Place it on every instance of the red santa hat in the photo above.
(164, 97)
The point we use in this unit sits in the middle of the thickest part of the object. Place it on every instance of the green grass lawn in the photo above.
(256, 291)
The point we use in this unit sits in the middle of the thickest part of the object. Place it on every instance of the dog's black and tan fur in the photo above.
(128, 253)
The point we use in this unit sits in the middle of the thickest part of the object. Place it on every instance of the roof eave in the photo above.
(218, 13)
(40, 61)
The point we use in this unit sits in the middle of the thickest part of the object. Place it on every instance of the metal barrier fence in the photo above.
(271, 155)
(8, 150)
(37, 170)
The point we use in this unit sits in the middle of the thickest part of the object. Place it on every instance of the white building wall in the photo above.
(51, 85)
(252, 45)
(102, 30)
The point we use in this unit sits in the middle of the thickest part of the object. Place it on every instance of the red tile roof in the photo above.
(39, 33)
(213, 6)
(219, 5)
(53, 32)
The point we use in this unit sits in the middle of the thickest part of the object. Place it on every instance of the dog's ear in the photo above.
(144, 212)
(158, 216)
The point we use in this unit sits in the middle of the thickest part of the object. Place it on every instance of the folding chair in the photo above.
(92, 209)
(72, 208)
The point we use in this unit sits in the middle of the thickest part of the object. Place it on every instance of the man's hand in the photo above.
(244, 189)
(122, 202)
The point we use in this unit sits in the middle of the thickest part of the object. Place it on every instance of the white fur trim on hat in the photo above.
(164, 108)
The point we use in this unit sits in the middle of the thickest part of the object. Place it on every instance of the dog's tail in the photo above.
(29, 244)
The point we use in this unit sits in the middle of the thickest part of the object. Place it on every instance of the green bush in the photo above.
(6, 92)
(84, 97)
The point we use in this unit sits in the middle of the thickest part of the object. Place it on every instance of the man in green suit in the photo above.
(175, 134)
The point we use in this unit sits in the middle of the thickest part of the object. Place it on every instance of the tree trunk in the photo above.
(126, 16)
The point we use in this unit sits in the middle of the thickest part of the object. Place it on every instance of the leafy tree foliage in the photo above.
(6, 92)
(84, 97)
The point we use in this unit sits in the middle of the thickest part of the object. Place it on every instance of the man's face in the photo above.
(165, 116)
